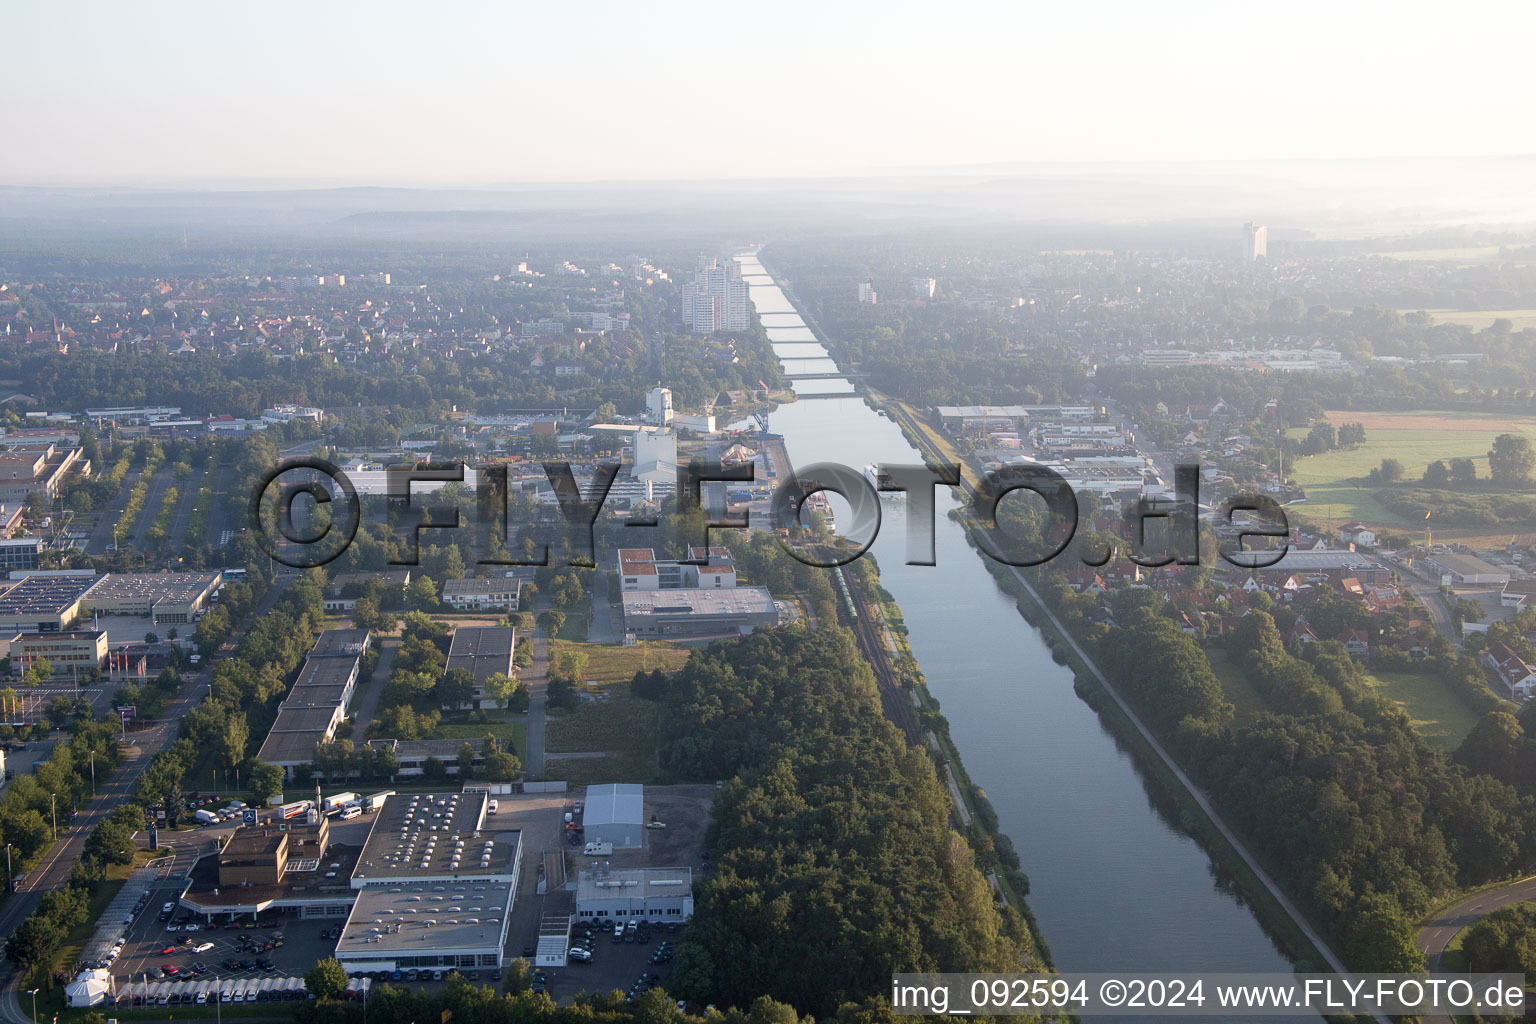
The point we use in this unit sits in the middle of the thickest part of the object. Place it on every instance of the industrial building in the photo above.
(37, 468)
(398, 927)
(478, 594)
(429, 864)
(615, 814)
(44, 603)
(709, 568)
(169, 598)
(698, 612)
(650, 894)
(68, 652)
(317, 703)
(345, 588)
(20, 553)
(482, 651)
(1466, 570)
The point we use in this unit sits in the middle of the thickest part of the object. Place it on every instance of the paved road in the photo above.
(100, 541)
(158, 485)
(537, 677)
(368, 707)
(1438, 933)
(53, 870)
(183, 516)
(1429, 596)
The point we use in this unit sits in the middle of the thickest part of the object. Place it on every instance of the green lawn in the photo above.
(1441, 718)
(514, 732)
(575, 628)
(1236, 687)
(621, 726)
(612, 663)
(1336, 482)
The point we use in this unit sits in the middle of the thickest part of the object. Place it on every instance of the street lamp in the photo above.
(8, 868)
(53, 802)
(33, 993)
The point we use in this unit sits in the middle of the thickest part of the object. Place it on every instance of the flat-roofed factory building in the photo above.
(615, 814)
(437, 838)
(45, 603)
(482, 651)
(317, 703)
(447, 925)
(698, 612)
(169, 598)
(649, 894)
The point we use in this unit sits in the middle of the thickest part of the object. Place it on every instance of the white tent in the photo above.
(90, 988)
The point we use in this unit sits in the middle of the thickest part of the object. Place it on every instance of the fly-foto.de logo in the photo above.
(1157, 530)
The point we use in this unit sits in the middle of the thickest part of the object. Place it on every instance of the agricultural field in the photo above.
(1457, 254)
(1477, 319)
(1336, 484)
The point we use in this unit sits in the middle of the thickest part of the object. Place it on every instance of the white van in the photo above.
(492, 806)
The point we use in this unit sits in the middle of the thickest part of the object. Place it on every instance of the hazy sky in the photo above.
(457, 93)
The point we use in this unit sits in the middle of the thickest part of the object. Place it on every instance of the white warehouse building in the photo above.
(650, 894)
(615, 814)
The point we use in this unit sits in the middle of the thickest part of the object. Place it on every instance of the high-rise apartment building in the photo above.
(1255, 241)
(717, 298)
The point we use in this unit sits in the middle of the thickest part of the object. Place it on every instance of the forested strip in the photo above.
(833, 861)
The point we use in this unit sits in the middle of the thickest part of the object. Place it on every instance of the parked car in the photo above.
(580, 954)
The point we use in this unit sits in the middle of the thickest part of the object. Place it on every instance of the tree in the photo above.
(265, 780)
(422, 593)
(500, 765)
(1321, 438)
(1351, 435)
(433, 770)
(234, 738)
(1436, 474)
(327, 979)
(552, 621)
(1463, 472)
(506, 691)
(151, 638)
(456, 688)
(466, 761)
(1511, 460)
(1391, 470)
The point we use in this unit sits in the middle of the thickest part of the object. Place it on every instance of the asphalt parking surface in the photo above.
(613, 966)
(147, 938)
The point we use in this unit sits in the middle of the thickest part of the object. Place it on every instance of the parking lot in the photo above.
(147, 941)
(614, 966)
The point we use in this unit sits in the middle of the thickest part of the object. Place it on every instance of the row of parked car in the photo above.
(418, 974)
(190, 992)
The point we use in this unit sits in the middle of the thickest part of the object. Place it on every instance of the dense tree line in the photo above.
(1353, 813)
(390, 1004)
(830, 833)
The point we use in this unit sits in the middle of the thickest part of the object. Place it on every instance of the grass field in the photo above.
(1336, 482)
(1441, 718)
(1459, 254)
(1477, 319)
(622, 727)
(514, 732)
(1236, 687)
